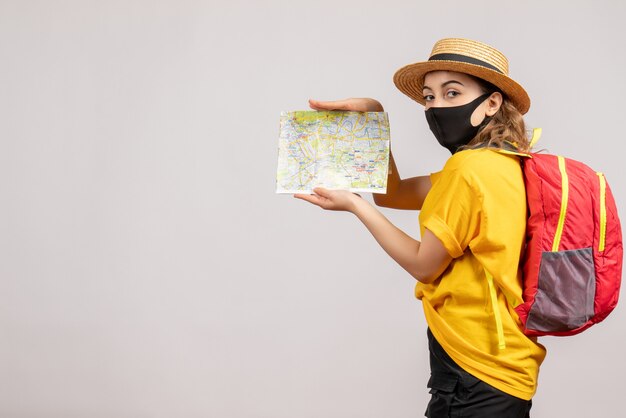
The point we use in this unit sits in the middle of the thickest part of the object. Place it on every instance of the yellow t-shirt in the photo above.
(477, 208)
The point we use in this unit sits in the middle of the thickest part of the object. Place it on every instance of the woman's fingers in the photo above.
(355, 104)
(330, 105)
(320, 197)
(311, 198)
(330, 199)
(322, 191)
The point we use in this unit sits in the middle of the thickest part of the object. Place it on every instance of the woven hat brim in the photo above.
(410, 80)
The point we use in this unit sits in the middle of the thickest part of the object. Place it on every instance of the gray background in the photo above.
(149, 270)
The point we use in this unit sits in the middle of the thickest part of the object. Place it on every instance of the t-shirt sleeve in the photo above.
(452, 211)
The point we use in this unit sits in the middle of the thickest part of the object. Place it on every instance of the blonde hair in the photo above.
(507, 125)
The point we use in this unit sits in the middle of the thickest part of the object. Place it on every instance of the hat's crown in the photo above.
(472, 49)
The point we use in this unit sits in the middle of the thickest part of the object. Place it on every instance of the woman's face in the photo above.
(449, 88)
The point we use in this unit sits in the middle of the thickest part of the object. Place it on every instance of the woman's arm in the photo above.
(425, 260)
(403, 194)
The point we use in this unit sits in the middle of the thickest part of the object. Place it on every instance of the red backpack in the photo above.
(572, 264)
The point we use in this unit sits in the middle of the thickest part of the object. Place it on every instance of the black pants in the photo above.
(456, 393)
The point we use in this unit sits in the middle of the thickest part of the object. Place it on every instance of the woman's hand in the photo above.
(339, 199)
(331, 199)
(354, 105)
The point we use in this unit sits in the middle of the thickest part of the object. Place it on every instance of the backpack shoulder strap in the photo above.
(535, 137)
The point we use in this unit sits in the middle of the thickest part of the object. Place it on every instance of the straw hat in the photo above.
(464, 56)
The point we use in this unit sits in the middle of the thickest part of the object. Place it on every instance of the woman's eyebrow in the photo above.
(451, 81)
(445, 84)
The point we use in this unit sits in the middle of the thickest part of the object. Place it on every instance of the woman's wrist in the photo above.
(359, 206)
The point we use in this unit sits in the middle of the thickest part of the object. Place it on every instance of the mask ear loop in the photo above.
(486, 119)
(489, 118)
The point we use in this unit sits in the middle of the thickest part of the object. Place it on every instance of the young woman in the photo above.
(472, 222)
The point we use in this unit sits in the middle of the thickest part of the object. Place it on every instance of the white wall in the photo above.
(147, 268)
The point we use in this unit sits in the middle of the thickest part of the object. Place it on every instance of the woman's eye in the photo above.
(429, 97)
(452, 93)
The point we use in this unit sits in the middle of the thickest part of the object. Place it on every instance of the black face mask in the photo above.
(452, 125)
